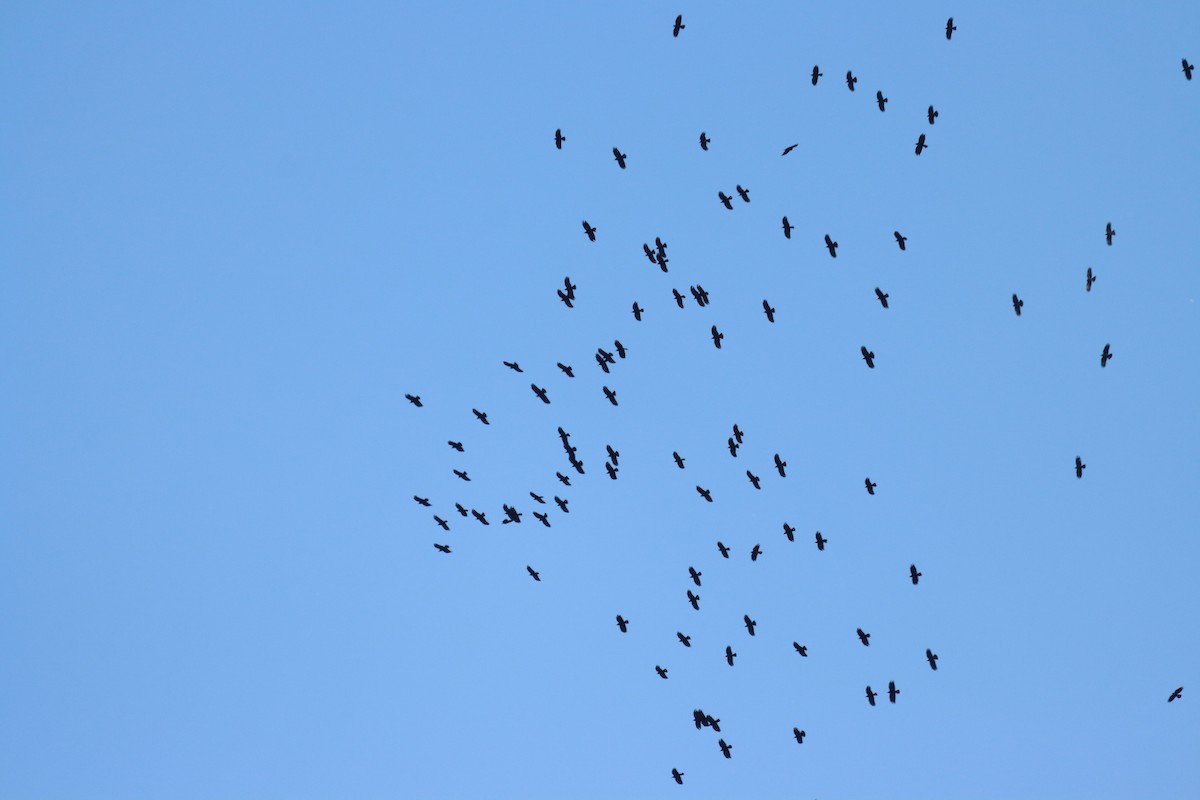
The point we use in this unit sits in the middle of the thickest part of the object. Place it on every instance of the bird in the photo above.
(851, 80)
(729, 655)
(613, 454)
(678, 459)
(892, 691)
(733, 447)
(1105, 356)
(1017, 304)
(1187, 69)
(660, 245)
(832, 245)
(881, 101)
(694, 575)
(514, 366)
(787, 228)
(770, 312)
(789, 532)
(456, 445)
(1079, 467)
(460, 508)
(445, 548)
(717, 336)
(1109, 233)
(512, 514)
(611, 395)
(882, 297)
(950, 28)
(540, 392)
(705, 493)
(415, 399)
(622, 623)
(694, 599)
(921, 143)
(780, 464)
(570, 287)
(611, 470)
(544, 519)
(565, 480)
(559, 138)
(699, 298)
(1090, 279)
(562, 504)
(686, 640)
(699, 718)
(637, 311)
(900, 240)
(755, 553)
(870, 486)
(441, 522)
(801, 649)
(481, 416)
(789, 149)
(589, 230)
(750, 623)
(737, 433)
(870, 696)
(726, 200)
(743, 193)
(677, 775)
(662, 672)
(799, 734)
(912, 573)
(704, 140)
(725, 748)
(619, 157)
(1178, 693)
(649, 253)
(932, 658)
(865, 638)
(816, 73)
(422, 501)
(462, 474)
(754, 480)
(533, 573)
(713, 722)
(868, 356)
(568, 371)
(566, 298)
(724, 550)
(931, 114)
(678, 26)
(821, 541)
(703, 299)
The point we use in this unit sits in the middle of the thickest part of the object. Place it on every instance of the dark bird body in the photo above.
(882, 297)
(871, 696)
(678, 26)
(832, 245)
(622, 623)
(694, 599)
(456, 445)
(864, 637)
(892, 691)
(770, 312)
(568, 371)
(743, 193)
(799, 734)
(754, 480)
(460, 508)
(737, 433)
(725, 748)
(868, 357)
(619, 157)
(780, 466)
(694, 575)
(462, 474)
(685, 640)
(733, 447)
(788, 149)
(1178, 693)
(1109, 233)
(821, 541)
(662, 672)
(589, 230)
(1105, 356)
(678, 459)
(850, 80)
(540, 392)
(637, 311)
(816, 73)
(801, 649)
(900, 240)
(559, 138)
(1187, 69)
(912, 573)
(533, 574)
(931, 114)
(1018, 303)
(704, 140)
(677, 775)
(444, 525)
(1079, 467)
(921, 144)
(563, 478)
(611, 470)
(705, 493)
(787, 228)
(749, 623)
(445, 548)
(678, 297)
(789, 532)
(514, 366)
(726, 200)
(415, 399)
(724, 550)
(1090, 279)
(422, 501)
(482, 417)
(542, 518)
(870, 486)
(950, 28)
(755, 553)
(729, 655)
(932, 658)
(481, 516)
(881, 101)
(611, 395)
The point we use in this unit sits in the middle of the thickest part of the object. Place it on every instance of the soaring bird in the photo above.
(1178, 693)
(870, 486)
(589, 230)
(677, 775)
(460, 508)
(678, 297)
(705, 493)
(892, 691)
(816, 73)
(704, 140)
(882, 297)
(737, 433)
(801, 649)
(912, 573)
(694, 599)
(787, 228)
(780, 464)
(542, 518)
(481, 415)
(950, 28)
(456, 445)
(789, 532)
(620, 158)
(900, 240)
(851, 80)
(821, 540)
(717, 336)
(445, 548)
(1109, 233)
(566, 298)
(725, 748)
(921, 144)
(415, 399)
(533, 573)
(871, 696)
(540, 392)
(1079, 467)
(611, 395)
(726, 200)
(563, 478)
(865, 638)
(1187, 69)
(755, 553)
(694, 575)
(568, 371)
(611, 470)
(788, 149)
(743, 193)
(733, 446)
(724, 550)
(1090, 279)
(931, 114)
(445, 525)
(649, 253)
(662, 672)
(678, 26)
(932, 658)
(678, 459)
(729, 655)
(562, 504)
(637, 311)
(1105, 356)
(750, 623)
(881, 101)
(799, 734)
(462, 474)
(770, 312)
(514, 366)
(1017, 304)
(613, 454)
(559, 138)
(868, 357)
(832, 245)
(686, 640)
(622, 623)
(422, 501)
(754, 480)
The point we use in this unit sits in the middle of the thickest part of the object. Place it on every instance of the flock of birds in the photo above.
(606, 360)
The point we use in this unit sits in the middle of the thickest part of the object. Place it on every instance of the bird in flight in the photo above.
(743, 193)
(1079, 467)
(787, 228)
(754, 480)
(620, 158)
(622, 623)
(460, 508)
(932, 658)
(788, 149)
(729, 655)
(562, 504)
(566, 298)
(737, 433)
(694, 599)
(717, 336)
(514, 366)
(950, 28)
(568, 371)
(770, 312)
(1105, 356)
(832, 245)
(881, 101)
(542, 518)
(462, 474)
(533, 573)
(1017, 304)
(705, 493)
(733, 446)
(921, 143)
(871, 696)
(882, 297)
(422, 501)
(456, 445)
(637, 311)
(481, 416)
(865, 638)
(662, 672)
(678, 297)
(613, 454)
(816, 73)
(678, 459)
(589, 230)
(649, 253)
(801, 649)
(1187, 69)
(755, 553)
(931, 114)
(1175, 695)
(559, 138)
(789, 532)
(912, 573)
(870, 486)
(445, 548)
(694, 575)
(1109, 233)
(750, 623)
(1090, 279)
(704, 140)
(611, 395)
(851, 80)
(900, 240)
(821, 540)
(725, 748)
(415, 399)
(445, 525)
(892, 691)
(678, 26)
(724, 550)
(868, 356)
(677, 775)
(799, 734)
(611, 470)
(686, 640)
(540, 392)
(780, 464)
(511, 513)
(726, 200)
(565, 480)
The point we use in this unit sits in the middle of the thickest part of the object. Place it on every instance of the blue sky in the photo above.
(233, 238)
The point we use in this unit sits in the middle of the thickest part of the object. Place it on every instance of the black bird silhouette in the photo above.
(514, 366)
(703, 299)
(460, 508)
(622, 623)
(678, 25)
(512, 514)
(1187, 69)
(462, 474)
(662, 672)
(685, 640)
(607, 356)
(870, 486)
(545, 520)
(754, 480)
(712, 722)
(621, 349)
(789, 532)
(533, 573)
(1105, 356)
(912, 573)
(717, 336)
(799, 734)
(415, 399)
(649, 253)
(442, 522)
(868, 357)
(779, 465)
(705, 493)
(481, 415)
(892, 691)
(445, 548)
(559, 138)
(733, 447)
(678, 297)
(660, 245)
(570, 287)
(743, 193)
(704, 140)
(695, 575)
(881, 101)
(821, 541)
(456, 445)
(769, 311)
(816, 73)
(568, 371)
(424, 501)
(871, 696)
(620, 158)
(851, 80)
(832, 245)
(637, 311)
(931, 114)
(661, 259)
(950, 28)
(725, 748)
(562, 504)
(724, 550)
(677, 775)
(612, 454)
(786, 150)
(883, 297)
(865, 638)
(612, 471)
(749, 623)
(755, 553)
(729, 655)
(565, 480)
(589, 230)
(787, 228)
(1109, 233)
(698, 297)
(932, 658)
(540, 392)
(801, 649)
(694, 599)
(1017, 304)
(900, 240)
(678, 459)
(921, 144)
(603, 364)
(726, 200)
(737, 433)
(611, 395)
(566, 299)
(1090, 279)
(1178, 693)
(1079, 467)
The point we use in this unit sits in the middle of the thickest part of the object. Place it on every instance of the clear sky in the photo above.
(234, 235)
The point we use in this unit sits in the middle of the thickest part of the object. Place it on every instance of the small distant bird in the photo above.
(456, 445)
(821, 541)
(912, 573)
(932, 658)
(677, 775)
(678, 297)
(737, 433)
(1187, 69)
(816, 73)
(445, 525)
(611, 470)
(462, 474)
(620, 158)
(932, 114)
(799, 734)
(622, 623)
(726, 200)
(662, 672)
(789, 532)
(568, 371)
(750, 623)
(754, 480)
(1090, 279)
(717, 336)
(423, 501)
(725, 748)
(900, 240)
(865, 638)
(533, 573)
(612, 454)
(705, 493)
(611, 395)
(1105, 356)
(562, 504)
(566, 298)
(787, 228)
(801, 649)
(445, 548)
(882, 297)
(704, 140)
(871, 696)
(868, 357)
(733, 447)
(540, 392)
(481, 416)
(565, 480)
(881, 101)
(694, 599)
(780, 464)
(678, 459)
(743, 193)
(678, 26)
(1109, 233)
(1178, 693)
(694, 575)
(514, 366)
(950, 28)
(686, 640)
(724, 550)
(921, 144)
(755, 553)
(559, 138)
(589, 230)
(832, 245)
(851, 80)
(1017, 304)
(870, 486)
(542, 518)
(649, 253)
(460, 508)
(787, 150)
(415, 399)
(892, 691)
(729, 655)
(637, 311)
(1079, 467)
(770, 312)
